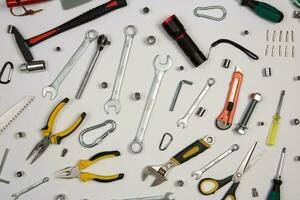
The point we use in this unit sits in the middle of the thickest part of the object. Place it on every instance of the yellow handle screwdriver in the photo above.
(275, 124)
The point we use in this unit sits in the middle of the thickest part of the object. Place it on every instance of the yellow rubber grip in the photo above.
(83, 164)
(272, 136)
(57, 138)
(46, 131)
(86, 176)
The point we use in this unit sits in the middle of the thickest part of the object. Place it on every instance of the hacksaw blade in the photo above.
(9, 116)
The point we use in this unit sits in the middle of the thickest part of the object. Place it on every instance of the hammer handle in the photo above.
(77, 21)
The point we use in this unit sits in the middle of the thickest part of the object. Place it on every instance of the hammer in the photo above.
(24, 45)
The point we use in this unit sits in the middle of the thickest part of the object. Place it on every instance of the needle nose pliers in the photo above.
(75, 172)
(50, 138)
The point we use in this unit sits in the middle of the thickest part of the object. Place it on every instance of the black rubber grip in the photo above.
(77, 21)
(119, 177)
(190, 152)
(105, 153)
(231, 191)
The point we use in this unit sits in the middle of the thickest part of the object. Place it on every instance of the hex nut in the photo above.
(21, 134)
(146, 10)
(61, 197)
(151, 40)
(19, 174)
(180, 183)
(104, 85)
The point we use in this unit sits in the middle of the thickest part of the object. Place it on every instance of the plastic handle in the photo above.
(100, 156)
(85, 176)
(230, 194)
(275, 192)
(214, 185)
(190, 152)
(268, 12)
(273, 130)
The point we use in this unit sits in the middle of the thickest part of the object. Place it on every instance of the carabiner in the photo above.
(10, 73)
(99, 139)
(161, 147)
(221, 8)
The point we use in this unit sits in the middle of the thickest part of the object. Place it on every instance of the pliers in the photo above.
(50, 138)
(75, 171)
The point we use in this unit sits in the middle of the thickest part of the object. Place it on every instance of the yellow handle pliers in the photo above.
(75, 172)
(50, 138)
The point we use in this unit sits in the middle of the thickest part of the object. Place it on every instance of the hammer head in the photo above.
(21, 42)
(158, 172)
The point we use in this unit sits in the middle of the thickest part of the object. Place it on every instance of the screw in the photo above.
(200, 112)
(254, 192)
(64, 152)
(104, 85)
(180, 183)
(146, 10)
(226, 63)
(255, 98)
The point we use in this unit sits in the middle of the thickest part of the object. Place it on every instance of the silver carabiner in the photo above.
(221, 8)
(99, 139)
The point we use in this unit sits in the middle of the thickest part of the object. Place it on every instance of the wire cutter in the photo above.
(50, 138)
(209, 186)
(75, 172)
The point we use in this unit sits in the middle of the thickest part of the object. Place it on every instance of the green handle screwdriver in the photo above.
(264, 10)
(275, 191)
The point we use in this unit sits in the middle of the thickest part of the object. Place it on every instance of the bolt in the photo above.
(64, 152)
(255, 98)
(226, 63)
(200, 112)
(254, 192)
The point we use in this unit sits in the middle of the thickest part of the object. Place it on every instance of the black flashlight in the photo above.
(177, 31)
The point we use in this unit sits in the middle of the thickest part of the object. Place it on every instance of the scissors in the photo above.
(209, 186)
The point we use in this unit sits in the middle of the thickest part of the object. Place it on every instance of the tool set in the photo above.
(280, 42)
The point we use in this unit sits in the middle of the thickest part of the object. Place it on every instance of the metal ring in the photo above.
(99, 139)
(151, 40)
(224, 12)
(131, 30)
(10, 73)
(92, 34)
(211, 81)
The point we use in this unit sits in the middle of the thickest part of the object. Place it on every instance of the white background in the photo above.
(139, 76)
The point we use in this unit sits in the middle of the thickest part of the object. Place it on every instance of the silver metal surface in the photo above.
(161, 68)
(3, 160)
(280, 165)
(53, 88)
(217, 7)
(177, 91)
(114, 101)
(166, 196)
(183, 122)
(17, 195)
(198, 173)
(99, 139)
(9, 116)
(280, 102)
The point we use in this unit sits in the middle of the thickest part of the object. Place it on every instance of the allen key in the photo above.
(178, 89)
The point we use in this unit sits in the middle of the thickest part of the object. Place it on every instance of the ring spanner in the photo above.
(114, 101)
(198, 173)
(183, 122)
(52, 89)
(161, 68)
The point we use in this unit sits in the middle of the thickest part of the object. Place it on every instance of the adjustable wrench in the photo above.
(160, 197)
(114, 101)
(183, 122)
(136, 145)
(225, 119)
(198, 173)
(52, 89)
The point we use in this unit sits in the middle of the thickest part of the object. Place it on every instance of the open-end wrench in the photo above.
(114, 101)
(159, 197)
(52, 89)
(17, 195)
(200, 172)
(183, 122)
(136, 145)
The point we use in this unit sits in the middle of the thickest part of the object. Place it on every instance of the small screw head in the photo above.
(256, 96)
(64, 152)
(19, 174)
(58, 49)
(136, 96)
(261, 123)
(20, 135)
(295, 121)
(146, 10)
(181, 68)
(61, 197)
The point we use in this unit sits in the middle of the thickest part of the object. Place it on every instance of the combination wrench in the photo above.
(114, 101)
(52, 89)
(17, 195)
(159, 197)
(200, 172)
(136, 145)
(183, 122)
